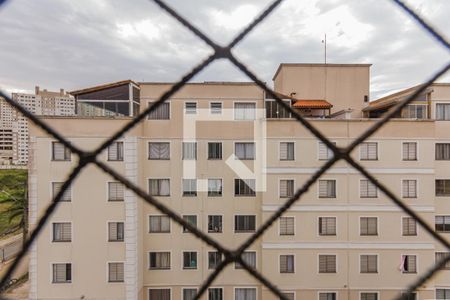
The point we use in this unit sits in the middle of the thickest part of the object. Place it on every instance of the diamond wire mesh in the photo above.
(224, 52)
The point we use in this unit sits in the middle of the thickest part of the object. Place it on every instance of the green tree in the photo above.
(13, 197)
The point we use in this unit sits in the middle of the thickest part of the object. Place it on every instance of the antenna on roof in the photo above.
(324, 41)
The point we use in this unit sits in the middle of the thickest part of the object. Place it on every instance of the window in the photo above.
(244, 223)
(115, 231)
(368, 263)
(189, 294)
(414, 111)
(442, 151)
(62, 232)
(244, 111)
(442, 187)
(442, 223)
(327, 263)
(367, 189)
(191, 219)
(115, 151)
(159, 224)
(115, 191)
(369, 296)
(215, 150)
(190, 260)
(327, 225)
(190, 108)
(214, 259)
(409, 188)
(249, 257)
(412, 296)
(276, 111)
(159, 260)
(286, 188)
(215, 294)
(440, 256)
(60, 152)
(443, 111)
(245, 294)
(368, 151)
(287, 263)
(189, 187)
(159, 187)
(244, 187)
(162, 112)
(288, 295)
(214, 223)
(410, 151)
(327, 296)
(327, 188)
(286, 151)
(325, 153)
(115, 272)
(214, 187)
(409, 226)
(286, 225)
(56, 187)
(408, 264)
(62, 273)
(158, 151)
(189, 150)
(216, 108)
(159, 294)
(368, 226)
(442, 294)
(245, 151)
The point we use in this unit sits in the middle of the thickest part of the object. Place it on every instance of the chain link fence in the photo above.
(234, 255)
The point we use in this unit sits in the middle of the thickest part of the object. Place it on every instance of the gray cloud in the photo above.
(74, 44)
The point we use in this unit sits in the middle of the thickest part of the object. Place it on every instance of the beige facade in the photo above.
(342, 240)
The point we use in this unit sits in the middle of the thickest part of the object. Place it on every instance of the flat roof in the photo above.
(200, 83)
(102, 87)
(316, 65)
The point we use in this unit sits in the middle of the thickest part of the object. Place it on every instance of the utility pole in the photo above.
(324, 41)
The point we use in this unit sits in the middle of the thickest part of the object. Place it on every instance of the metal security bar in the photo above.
(234, 255)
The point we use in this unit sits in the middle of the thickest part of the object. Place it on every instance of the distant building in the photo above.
(15, 126)
(121, 98)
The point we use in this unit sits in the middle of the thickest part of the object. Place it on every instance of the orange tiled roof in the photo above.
(312, 104)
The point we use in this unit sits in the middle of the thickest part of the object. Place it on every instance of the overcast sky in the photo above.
(75, 44)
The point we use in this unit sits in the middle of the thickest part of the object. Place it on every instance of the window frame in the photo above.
(240, 181)
(195, 143)
(159, 142)
(245, 102)
(416, 152)
(108, 263)
(120, 151)
(336, 263)
(360, 224)
(159, 188)
(245, 158)
(221, 150)
(168, 103)
(377, 271)
(293, 150)
(368, 194)
(328, 196)
(211, 110)
(279, 225)
(287, 271)
(183, 266)
(53, 240)
(108, 186)
(319, 225)
(160, 216)
(402, 226)
(159, 268)
(415, 196)
(221, 223)
(244, 230)
(67, 152)
(185, 110)
(108, 235)
(368, 143)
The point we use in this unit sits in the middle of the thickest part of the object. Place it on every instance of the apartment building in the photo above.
(225, 156)
(15, 126)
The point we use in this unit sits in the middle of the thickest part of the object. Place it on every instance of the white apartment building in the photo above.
(199, 154)
(42, 103)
